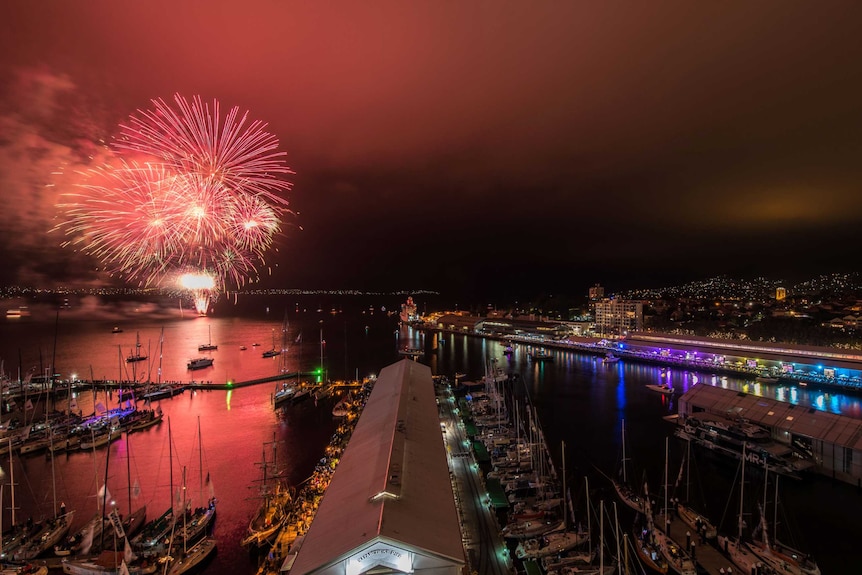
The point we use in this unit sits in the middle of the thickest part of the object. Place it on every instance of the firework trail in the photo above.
(193, 140)
(206, 202)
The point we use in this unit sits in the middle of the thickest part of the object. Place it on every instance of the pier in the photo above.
(60, 389)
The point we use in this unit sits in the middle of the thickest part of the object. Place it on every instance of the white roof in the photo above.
(392, 484)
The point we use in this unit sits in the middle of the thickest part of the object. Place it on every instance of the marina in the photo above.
(573, 387)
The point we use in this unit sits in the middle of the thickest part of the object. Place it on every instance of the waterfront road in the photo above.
(486, 552)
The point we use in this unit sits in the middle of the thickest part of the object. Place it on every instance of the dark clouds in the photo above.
(498, 145)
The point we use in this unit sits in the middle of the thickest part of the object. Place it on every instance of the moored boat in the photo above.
(193, 557)
(108, 563)
(148, 419)
(52, 535)
(136, 354)
(209, 346)
(342, 408)
(199, 363)
(411, 352)
(163, 391)
(663, 388)
(285, 393)
(100, 439)
(550, 544)
(84, 540)
(540, 355)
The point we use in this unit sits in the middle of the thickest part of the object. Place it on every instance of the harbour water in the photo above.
(579, 400)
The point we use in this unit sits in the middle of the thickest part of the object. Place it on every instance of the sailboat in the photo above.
(195, 547)
(646, 547)
(555, 542)
(624, 491)
(136, 354)
(272, 511)
(696, 521)
(193, 556)
(150, 541)
(90, 537)
(135, 519)
(201, 518)
(777, 555)
(112, 561)
(209, 346)
(739, 552)
(272, 352)
(53, 531)
(677, 557)
(25, 541)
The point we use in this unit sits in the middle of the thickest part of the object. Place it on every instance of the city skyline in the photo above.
(497, 150)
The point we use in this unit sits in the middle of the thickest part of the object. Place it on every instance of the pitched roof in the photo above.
(392, 483)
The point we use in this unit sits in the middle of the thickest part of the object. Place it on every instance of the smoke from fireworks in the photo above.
(205, 202)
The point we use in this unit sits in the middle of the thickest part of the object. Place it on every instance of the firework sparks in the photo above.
(194, 140)
(201, 286)
(208, 204)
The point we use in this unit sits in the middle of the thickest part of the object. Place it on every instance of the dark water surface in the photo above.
(579, 400)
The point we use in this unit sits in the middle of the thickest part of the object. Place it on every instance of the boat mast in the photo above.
(617, 538)
(53, 476)
(741, 489)
(666, 456)
(765, 533)
(687, 469)
(12, 483)
(105, 493)
(566, 490)
(171, 467)
(775, 512)
(322, 370)
(129, 470)
(625, 481)
(589, 529)
(161, 343)
(201, 459)
(185, 515)
(53, 360)
(601, 535)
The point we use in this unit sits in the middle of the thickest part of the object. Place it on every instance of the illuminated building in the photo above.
(618, 317)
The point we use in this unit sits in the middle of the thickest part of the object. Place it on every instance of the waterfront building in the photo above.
(390, 507)
(456, 322)
(827, 365)
(834, 441)
(618, 317)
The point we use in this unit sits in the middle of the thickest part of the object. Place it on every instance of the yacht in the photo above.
(209, 345)
(735, 437)
(199, 363)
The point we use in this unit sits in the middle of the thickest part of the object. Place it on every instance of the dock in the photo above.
(707, 556)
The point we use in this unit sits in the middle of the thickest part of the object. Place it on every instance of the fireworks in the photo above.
(201, 286)
(206, 201)
(230, 155)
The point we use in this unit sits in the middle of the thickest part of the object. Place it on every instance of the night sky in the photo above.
(484, 148)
